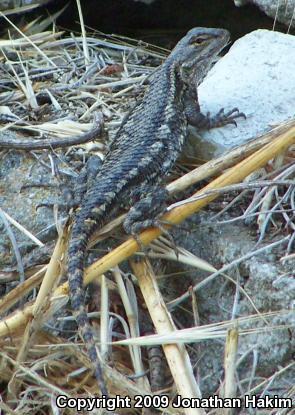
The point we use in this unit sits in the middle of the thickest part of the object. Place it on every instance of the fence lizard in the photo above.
(144, 149)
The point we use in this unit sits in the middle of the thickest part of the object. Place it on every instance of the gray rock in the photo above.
(268, 282)
(18, 170)
(17, 4)
(281, 10)
(257, 75)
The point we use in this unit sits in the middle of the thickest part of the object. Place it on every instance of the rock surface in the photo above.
(257, 75)
(281, 10)
(11, 4)
(268, 282)
(17, 171)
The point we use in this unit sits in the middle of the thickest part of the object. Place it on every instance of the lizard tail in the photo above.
(77, 252)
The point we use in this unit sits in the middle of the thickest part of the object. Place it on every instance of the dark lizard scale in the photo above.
(143, 151)
(150, 126)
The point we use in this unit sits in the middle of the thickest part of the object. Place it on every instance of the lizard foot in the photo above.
(145, 214)
(222, 118)
(74, 188)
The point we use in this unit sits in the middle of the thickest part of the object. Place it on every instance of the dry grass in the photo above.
(79, 76)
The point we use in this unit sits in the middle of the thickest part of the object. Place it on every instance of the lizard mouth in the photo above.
(223, 48)
(228, 43)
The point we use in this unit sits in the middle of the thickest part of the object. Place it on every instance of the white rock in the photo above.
(257, 75)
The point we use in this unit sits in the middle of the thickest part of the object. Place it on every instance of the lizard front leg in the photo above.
(86, 178)
(197, 119)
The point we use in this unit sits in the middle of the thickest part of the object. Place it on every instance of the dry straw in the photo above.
(278, 141)
(24, 326)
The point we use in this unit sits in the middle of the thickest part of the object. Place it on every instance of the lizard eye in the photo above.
(198, 40)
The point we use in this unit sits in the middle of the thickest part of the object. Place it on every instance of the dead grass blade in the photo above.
(22, 229)
(229, 387)
(135, 352)
(176, 355)
(229, 159)
(209, 331)
(284, 139)
(83, 31)
(29, 40)
(21, 290)
(40, 305)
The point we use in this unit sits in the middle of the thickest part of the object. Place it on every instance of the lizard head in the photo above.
(197, 50)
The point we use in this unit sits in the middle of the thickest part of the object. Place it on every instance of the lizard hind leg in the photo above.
(145, 214)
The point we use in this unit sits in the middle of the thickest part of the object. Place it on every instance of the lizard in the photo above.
(143, 151)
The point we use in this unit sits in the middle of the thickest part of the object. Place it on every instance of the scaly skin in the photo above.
(145, 148)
